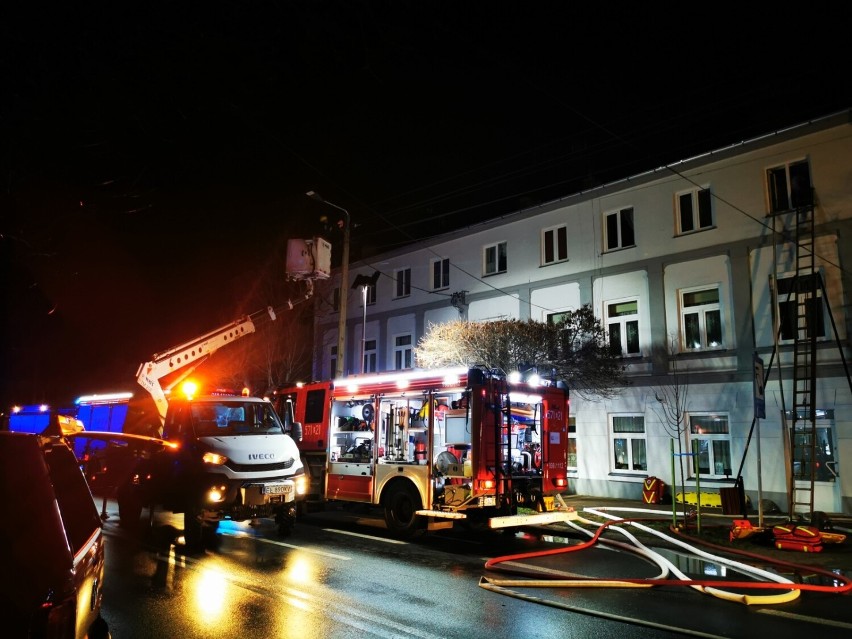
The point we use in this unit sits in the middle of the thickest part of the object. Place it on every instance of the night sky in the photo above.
(155, 159)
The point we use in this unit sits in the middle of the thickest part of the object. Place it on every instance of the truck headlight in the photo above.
(214, 458)
(301, 484)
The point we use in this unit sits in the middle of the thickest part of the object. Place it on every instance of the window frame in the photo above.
(370, 355)
(622, 321)
(700, 208)
(572, 464)
(439, 273)
(701, 310)
(785, 189)
(554, 241)
(711, 451)
(618, 463)
(402, 282)
(500, 262)
(620, 229)
(403, 353)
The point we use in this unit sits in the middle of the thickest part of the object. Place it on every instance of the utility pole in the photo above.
(344, 284)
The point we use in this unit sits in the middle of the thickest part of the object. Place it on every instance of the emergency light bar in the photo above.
(106, 398)
(451, 377)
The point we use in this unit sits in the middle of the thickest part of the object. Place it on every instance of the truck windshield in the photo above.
(235, 417)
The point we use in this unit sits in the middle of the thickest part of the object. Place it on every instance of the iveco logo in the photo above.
(256, 456)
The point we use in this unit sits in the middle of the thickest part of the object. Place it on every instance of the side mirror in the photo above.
(295, 431)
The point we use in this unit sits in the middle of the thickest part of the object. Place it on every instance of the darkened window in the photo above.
(370, 356)
(494, 259)
(554, 245)
(619, 229)
(440, 273)
(402, 352)
(789, 186)
(694, 210)
(809, 297)
(403, 282)
(622, 321)
(314, 406)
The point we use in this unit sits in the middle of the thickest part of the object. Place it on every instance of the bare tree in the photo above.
(574, 350)
(672, 398)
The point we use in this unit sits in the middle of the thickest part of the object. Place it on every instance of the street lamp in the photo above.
(344, 278)
(365, 282)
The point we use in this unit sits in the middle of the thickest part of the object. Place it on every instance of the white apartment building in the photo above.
(691, 268)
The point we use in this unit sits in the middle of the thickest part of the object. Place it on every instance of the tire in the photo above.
(129, 510)
(197, 534)
(286, 519)
(401, 505)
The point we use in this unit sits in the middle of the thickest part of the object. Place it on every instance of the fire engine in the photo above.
(435, 448)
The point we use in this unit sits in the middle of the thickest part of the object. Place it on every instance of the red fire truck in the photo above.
(433, 448)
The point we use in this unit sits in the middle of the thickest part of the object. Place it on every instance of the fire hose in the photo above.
(717, 588)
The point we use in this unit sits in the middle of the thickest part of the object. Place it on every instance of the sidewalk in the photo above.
(715, 528)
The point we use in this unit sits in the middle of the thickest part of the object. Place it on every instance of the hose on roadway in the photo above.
(717, 588)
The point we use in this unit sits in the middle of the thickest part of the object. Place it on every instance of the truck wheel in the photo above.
(197, 534)
(129, 510)
(401, 505)
(286, 520)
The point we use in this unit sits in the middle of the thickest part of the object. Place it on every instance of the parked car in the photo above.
(51, 542)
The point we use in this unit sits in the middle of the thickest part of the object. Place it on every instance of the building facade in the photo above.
(696, 271)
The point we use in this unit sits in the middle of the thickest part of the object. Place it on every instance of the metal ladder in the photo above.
(803, 435)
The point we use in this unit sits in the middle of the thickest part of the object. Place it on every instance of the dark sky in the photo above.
(155, 158)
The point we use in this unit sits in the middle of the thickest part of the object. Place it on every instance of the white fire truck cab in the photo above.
(433, 448)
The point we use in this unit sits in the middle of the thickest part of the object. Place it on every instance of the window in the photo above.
(789, 186)
(710, 441)
(694, 212)
(554, 245)
(333, 361)
(572, 443)
(789, 303)
(622, 322)
(618, 229)
(402, 277)
(440, 273)
(335, 299)
(701, 319)
(370, 356)
(494, 259)
(402, 352)
(628, 443)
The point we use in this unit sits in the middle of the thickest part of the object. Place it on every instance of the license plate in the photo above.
(489, 500)
(276, 489)
(548, 502)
